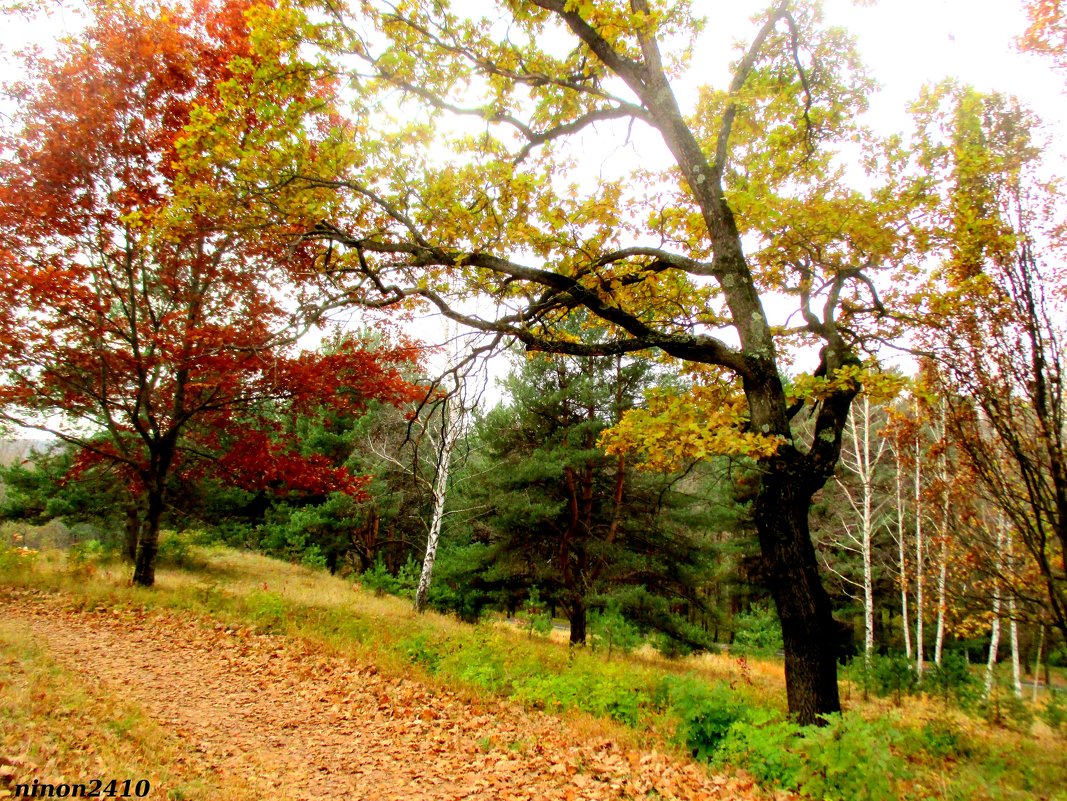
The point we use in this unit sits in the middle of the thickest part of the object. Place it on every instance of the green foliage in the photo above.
(952, 679)
(850, 759)
(316, 535)
(1054, 714)
(381, 582)
(15, 560)
(89, 552)
(608, 695)
(609, 629)
(757, 632)
(705, 714)
(1058, 657)
(1002, 707)
(580, 526)
(268, 610)
(764, 745)
(49, 489)
(893, 674)
(537, 619)
(670, 646)
(174, 550)
(314, 558)
(940, 740)
(422, 651)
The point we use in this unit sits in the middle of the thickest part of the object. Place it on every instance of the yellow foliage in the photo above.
(673, 429)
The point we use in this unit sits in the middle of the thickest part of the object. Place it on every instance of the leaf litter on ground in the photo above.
(283, 713)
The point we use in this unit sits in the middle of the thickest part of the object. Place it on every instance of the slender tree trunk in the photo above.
(902, 557)
(1013, 630)
(942, 574)
(451, 418)
(994, 644)
(994, 640)
(942, 602)
(918, 560)
(1037, 660)
(809, 632)
(1013, 623)
(860, 461)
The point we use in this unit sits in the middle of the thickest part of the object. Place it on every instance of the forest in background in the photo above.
(187, 191)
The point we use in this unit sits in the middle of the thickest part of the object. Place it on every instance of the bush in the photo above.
(764, 745)
(267, 609)
(597, 694)
(952, 679)
(419, 650)
(610, 629)
(671, 647)
(536, 619)
(380, 581)
(893, 674)
(89, 551)
(850, 759)
(757, 632)
(705, 714)
(314, 558)
(1002, 707)
(940, 740)
(173, 550)
(16, 560)
(1054, 714)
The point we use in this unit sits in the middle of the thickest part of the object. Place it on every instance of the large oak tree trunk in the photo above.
(791, 567)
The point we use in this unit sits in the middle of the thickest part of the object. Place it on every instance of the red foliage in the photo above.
(138, 328)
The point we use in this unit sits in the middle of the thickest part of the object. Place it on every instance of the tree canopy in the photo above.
(135, 322)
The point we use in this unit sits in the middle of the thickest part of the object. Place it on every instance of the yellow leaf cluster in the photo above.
(676, 428)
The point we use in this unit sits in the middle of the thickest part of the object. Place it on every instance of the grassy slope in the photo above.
(244, 589)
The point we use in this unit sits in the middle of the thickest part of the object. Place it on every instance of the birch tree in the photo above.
(861, 457)
(451, 415)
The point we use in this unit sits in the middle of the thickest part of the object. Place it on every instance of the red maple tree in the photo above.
(134, 323)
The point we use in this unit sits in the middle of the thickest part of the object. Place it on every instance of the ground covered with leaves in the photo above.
(238, 713)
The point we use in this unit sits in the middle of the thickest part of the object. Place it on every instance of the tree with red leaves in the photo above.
(135, 323)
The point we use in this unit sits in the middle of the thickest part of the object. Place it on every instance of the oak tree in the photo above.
(520, 201)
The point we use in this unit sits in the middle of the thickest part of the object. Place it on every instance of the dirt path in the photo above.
(276, 713)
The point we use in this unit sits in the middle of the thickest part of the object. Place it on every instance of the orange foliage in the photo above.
(132, 322)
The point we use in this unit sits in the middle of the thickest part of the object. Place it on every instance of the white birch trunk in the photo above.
(902, 558)
(1013, 629)
(862, 460)
(994, 638)
(918, 560)
(1013, 625)
(994, 643)
(942, 574)
(1037, 660)
(942, 603)
(451, 423)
